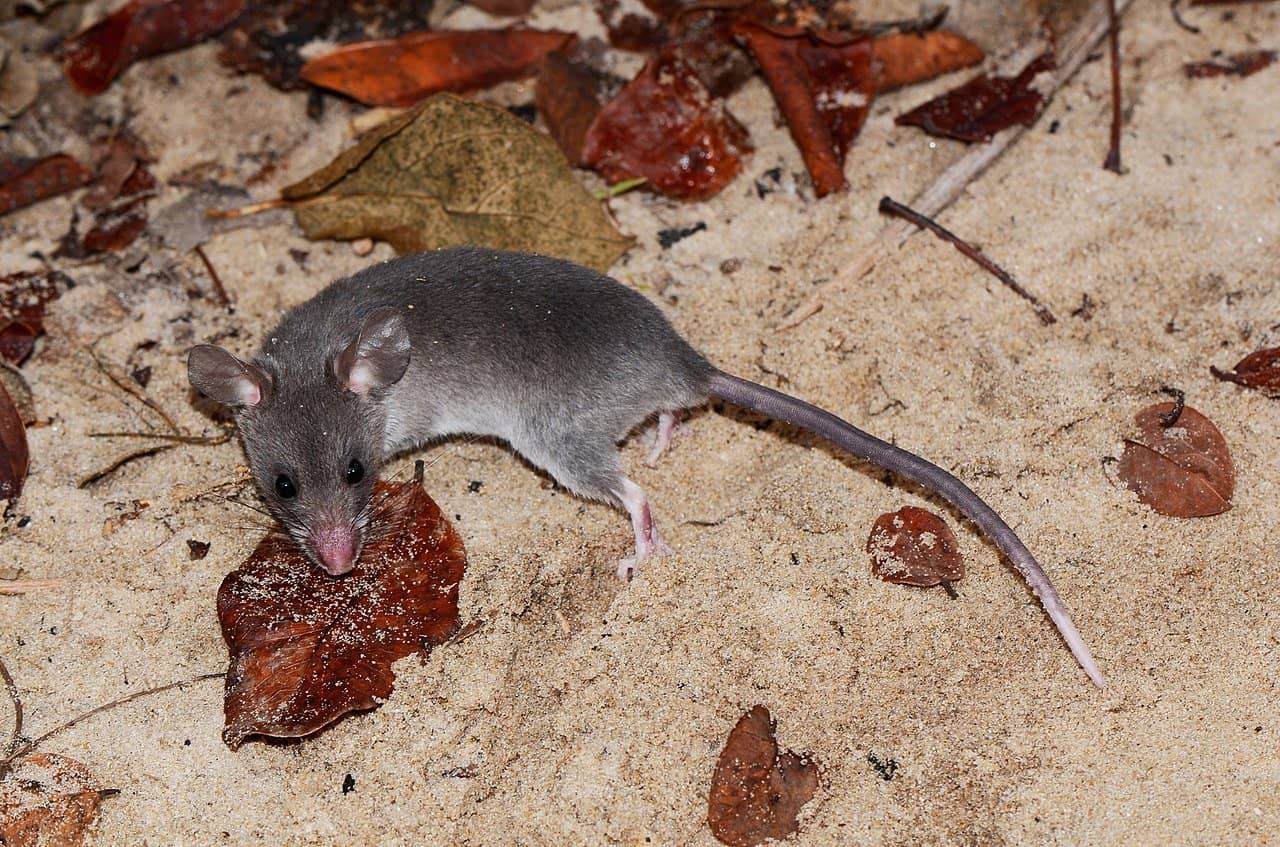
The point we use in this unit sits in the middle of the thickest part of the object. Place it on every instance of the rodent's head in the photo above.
(314, 440)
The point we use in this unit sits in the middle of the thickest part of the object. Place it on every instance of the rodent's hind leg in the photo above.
(664, 432)
(648, 543)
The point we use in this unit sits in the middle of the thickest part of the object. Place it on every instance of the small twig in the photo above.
(15, 587)
(251, 209)
(1176, 11)
(889, 206)
(951, 592)
(1112, 162)
(1179, 403)
(17, 711)
(28, 746)
(120, 462)
(217, 280)
(131, 388)
(202, 440)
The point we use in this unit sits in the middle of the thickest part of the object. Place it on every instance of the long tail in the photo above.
(783, 407)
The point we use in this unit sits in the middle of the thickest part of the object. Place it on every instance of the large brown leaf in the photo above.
(666, 127)
(401, 71)
(308, 648)
(1183, 470)
(48, 800)
(757, 791)
(23, 181)
(915, 547)
(983, 106)
(452, 171)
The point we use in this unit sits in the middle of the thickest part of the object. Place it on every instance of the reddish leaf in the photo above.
(504, 8)
(1239, 64)
(567, 99)
(983, 106)
(13, 448)
(22, 300)
(140, 29)
(401, 71)
(23, 181)
(904, 58)
(269, 37)
(757, 791)
(1257, 370)
(915, 547)
(48, 800)
(665, 126)
(307, 648)
(1183, 470)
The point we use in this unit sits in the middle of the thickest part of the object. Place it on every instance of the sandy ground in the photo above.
(586, 711)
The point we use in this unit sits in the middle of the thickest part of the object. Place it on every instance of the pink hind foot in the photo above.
(648, 544)
(668, 424)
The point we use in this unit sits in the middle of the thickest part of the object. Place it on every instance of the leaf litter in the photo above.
(307, 648)
(1183, 469)
(47, 800)
(913, 546)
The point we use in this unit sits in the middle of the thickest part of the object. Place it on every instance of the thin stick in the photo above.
(1177, 18)
(120, 462)
(202, 440)
(31, 745)
(17, 708)
(217, 281)
(251, 209)
(1112, 162)
(888, 206)
(132, 389)
(14, 587)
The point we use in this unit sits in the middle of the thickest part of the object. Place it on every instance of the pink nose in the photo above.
(335, 547)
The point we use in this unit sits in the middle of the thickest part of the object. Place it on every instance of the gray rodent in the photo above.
(559, 361)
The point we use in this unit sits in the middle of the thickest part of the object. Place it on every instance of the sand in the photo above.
(585, 711)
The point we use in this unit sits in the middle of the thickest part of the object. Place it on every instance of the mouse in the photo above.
(559, 361)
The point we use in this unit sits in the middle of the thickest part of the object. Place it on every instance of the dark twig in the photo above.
(889, 206)
(17, 712)
(1176, 10)
(1112, 162)
(27, 747)
(202, 440)
(132, 389)
(217, 280)
(951, 592)
(1179, 403)
(120, 462)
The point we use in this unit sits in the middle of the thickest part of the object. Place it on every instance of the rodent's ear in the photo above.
(379, 355)
(216, 373)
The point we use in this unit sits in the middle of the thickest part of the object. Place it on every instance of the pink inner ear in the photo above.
(360, 378)
(248, 392)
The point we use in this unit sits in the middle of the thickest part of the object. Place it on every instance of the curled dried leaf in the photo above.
(402, 71)
(756, 790)
(1183, 470)
(1260, 369)
(48, 800)
(307, 648)
(983, 106)
(666, 127)
(903, 58)
(914, 546)
(568, 100)
(137, 30)
(23, 297)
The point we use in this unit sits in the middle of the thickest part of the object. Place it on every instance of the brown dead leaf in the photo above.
(756, 790)
(1183, 470)
(24, 181)
(23, 297)
(567, 99)
(914, 546)
(904, 58)
(48, 800)
(13, 448)
(1260, 369)
(137, 30)
(504, 8)
(1238, 64)
(665, 126)
(308, 648)
(452, 171)
(983, 106)
(402, 71)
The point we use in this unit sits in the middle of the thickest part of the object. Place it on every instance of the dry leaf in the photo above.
(1238, 64)
(664, 126)
(48, 800)
(22, 300)
(982, 106)
(451, 171)
(1260, 369)
(904, 58)
(13, 448)
(140, 29)
(757, 791)
(504, 8)
(19, 82)
(1183, 470)
(19, 392)
(271, 35)
(567, 99)
(24, 181)
(402, 71)
(308, 648)
(913, 546)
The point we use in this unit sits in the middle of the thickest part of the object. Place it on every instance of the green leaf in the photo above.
(452, 171)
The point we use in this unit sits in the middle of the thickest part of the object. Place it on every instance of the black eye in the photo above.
(355, 472)
(285, 487)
